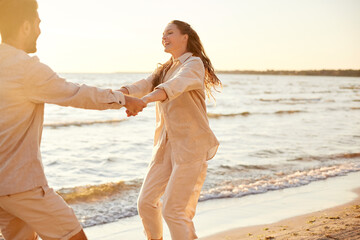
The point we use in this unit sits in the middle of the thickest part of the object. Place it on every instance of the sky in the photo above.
(125, 36)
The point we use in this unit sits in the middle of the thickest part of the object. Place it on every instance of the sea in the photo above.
(275, 132)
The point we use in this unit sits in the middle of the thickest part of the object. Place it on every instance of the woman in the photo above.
(183, 139)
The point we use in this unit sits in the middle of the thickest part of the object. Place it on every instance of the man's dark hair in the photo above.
(13, 13)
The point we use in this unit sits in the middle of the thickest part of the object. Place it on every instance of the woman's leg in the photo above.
(181, 197)
(149, 204)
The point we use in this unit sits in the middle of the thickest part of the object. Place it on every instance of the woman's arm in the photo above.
(154, 96)
(189, 77)
(138, 89)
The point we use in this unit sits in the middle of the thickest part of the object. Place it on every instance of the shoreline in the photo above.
(219, 216)
(265, 215)
(304, 72)
(339, 222)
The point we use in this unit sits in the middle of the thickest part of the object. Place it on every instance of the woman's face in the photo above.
(173, 41)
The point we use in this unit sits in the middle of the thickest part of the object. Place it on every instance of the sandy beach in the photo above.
(341, 222)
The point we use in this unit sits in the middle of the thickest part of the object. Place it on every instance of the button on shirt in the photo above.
(25, 85)
(182, 117)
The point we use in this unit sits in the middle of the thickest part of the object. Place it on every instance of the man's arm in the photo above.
(43, 85)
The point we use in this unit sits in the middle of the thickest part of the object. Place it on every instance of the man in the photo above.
(28, 207)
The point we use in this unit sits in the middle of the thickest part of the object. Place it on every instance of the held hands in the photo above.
(133, 105)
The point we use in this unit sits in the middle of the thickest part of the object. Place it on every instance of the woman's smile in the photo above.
(166, 43)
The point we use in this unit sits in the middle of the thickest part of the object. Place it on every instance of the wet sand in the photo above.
(341, 222)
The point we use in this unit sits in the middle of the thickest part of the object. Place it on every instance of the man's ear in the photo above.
(25, 28)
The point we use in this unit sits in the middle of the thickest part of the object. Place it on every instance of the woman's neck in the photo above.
(179, 53)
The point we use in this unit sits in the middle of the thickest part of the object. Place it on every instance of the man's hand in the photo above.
(133, 105)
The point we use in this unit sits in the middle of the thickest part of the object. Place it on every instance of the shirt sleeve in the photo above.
(190, 77)
(141, 87)
(43, 85)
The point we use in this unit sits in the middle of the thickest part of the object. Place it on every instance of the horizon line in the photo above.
(223, 71)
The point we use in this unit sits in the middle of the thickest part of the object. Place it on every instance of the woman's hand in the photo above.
(133, 105)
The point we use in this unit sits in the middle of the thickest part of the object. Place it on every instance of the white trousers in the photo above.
(40, 211)
(180, 186)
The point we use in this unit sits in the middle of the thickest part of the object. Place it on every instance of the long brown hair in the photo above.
(194, 46)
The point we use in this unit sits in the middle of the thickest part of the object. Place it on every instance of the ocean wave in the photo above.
(279, 181)
(289, 111)
(350, 87)
(240, 167)
(235, 170)
(327, 157)
(82, 123)
(95, 193)
(102, 192)
(291, 100)
(105, 203)
(245, 114)
(218, 115)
